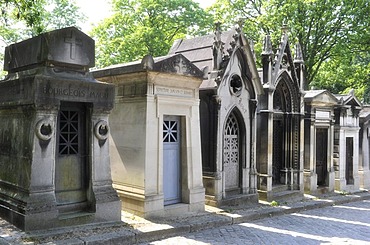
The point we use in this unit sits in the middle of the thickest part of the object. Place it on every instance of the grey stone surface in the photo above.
(48, 74)
(65, 47)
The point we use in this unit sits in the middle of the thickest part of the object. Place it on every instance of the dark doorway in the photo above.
(349, 161)
(278, 152)
(321, 155)
(71, 172)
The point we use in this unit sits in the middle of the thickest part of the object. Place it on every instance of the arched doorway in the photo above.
(285, 133)
(233, 153)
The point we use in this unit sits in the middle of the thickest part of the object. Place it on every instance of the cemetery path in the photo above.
(338, 224)
(333, 218)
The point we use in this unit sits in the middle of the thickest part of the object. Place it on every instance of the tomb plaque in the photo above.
(323, 114)
(188, 93)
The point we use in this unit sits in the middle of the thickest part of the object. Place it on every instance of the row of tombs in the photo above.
(199, 126)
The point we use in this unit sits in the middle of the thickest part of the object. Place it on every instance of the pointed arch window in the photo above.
(231, 140)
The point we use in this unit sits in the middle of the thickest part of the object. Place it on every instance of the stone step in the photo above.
(239, 200)
(287, 196)
(279, 188)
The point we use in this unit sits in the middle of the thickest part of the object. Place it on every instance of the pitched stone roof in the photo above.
(198, 50)
(175, 63)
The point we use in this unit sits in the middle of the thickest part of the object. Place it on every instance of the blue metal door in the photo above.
(171, 160)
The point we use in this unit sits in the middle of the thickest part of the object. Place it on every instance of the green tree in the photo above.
(25, 18)
(141, 27)
(29, 11)
(22, 19)
(318, 25)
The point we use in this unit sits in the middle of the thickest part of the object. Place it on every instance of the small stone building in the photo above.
(346, 142)
(280, 122)
(364, 161)
(54, 149)
(155, 135)
(227, 114)
(318, 141)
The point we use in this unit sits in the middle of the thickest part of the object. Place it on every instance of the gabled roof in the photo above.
(176, 64)
(282, 55)
(322, 97)
(348, 99)
(198, 50)
(365, 113)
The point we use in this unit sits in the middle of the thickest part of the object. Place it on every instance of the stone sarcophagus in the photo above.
(54, 154)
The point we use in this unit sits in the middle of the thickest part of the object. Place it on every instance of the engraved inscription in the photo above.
(174, 91)
(323, 114)
(73, 92)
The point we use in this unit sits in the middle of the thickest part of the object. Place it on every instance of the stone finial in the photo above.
(285, 28)
(298, 55)
(267, 46)
(147, 62)
(217, 32)
(217, 47)
(352, 92)
(240, 25)
(251, 45)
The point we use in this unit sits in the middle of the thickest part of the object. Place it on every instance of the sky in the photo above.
(97, 10)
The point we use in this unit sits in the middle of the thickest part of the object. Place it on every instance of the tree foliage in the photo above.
(322, 27)
(22, 19)
(141, 27)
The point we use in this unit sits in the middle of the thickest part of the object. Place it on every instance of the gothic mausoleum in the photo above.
(54, 146)
(280, 122)
(228, 104)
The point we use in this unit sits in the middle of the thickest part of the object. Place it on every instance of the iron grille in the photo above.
(68, 133)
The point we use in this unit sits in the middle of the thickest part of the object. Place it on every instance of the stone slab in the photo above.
(65, 47)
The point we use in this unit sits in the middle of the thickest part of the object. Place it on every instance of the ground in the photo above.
(339, 224)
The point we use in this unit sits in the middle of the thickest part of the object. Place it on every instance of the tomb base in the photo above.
(364, 176)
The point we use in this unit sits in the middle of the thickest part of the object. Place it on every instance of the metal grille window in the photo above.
(170, 131)
(68, 132)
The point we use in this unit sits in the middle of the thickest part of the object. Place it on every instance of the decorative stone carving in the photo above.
(44, 129)
(101, 130)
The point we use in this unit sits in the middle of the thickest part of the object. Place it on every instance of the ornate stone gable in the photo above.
(320, 97)
(177, 64)
(284, 61)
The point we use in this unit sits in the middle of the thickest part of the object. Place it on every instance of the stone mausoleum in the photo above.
(227, 114)
(155, 144)
(319, 141)
(364, 161)
(346, 142)
(54, 149)
(280, 122)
